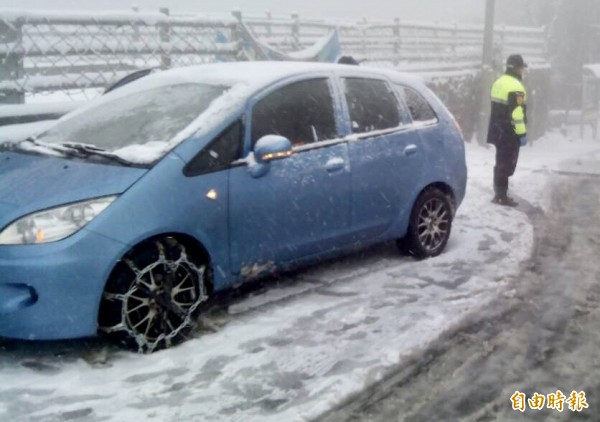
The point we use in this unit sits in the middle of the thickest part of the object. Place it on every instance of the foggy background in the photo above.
(572, 27)
(511, 12)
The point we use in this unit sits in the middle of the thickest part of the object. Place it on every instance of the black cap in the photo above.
(347, 60)
(515, 61)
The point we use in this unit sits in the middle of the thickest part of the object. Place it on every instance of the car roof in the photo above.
(262, 73)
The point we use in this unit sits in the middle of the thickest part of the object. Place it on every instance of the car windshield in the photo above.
(153, 115)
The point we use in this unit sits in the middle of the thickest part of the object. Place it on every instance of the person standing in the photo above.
(507, 128)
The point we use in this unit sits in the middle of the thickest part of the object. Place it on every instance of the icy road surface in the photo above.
(310, 342)
(541, 339)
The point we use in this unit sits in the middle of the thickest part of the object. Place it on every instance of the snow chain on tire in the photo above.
(144, 343)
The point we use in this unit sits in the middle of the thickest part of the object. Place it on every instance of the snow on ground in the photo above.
(316, 337)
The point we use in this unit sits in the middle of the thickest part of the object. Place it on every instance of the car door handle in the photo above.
(410, 150)
(335, 164)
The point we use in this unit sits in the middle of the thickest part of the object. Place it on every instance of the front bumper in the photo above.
(53, 291)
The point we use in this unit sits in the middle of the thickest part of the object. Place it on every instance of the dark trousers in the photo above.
(507, 154)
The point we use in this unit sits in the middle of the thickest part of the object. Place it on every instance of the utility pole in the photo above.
(488, 33)
(487, 71)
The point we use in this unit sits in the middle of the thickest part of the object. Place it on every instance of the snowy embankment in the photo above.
(312, 340)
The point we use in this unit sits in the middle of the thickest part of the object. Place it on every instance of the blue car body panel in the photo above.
(30, 183)
(56, 286)
(325, 198)
(386, 162)
(264, 232)
(169, 203)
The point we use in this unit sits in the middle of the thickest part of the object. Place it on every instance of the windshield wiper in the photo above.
(35, 142)
(8, 146)
(88, 150)
(71, 149)
(52, 147)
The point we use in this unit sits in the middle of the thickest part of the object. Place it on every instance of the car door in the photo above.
(430, 132)
(301, 206)
(385, 155)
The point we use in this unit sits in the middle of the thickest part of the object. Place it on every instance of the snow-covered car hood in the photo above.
(30, 183)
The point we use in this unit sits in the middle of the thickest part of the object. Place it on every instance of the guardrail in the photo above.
(63, 51)
(405, 44)
(58, 51)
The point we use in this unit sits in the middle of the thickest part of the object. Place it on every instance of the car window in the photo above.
(152, 115)
(419, 108)
(302, 112)
(220, 153)
(371, 104)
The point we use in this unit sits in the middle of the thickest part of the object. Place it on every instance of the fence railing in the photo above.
(408, 45)
(57, 51)
(47, 52)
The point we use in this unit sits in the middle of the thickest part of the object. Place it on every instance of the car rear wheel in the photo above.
(429, 226)
(154, 296)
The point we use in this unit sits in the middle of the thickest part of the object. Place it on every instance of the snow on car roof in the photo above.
(256, 73)
(243, 78)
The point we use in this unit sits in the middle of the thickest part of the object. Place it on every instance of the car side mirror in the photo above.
(267, 149)
(272, 147)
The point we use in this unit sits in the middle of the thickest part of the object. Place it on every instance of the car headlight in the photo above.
(53, 224)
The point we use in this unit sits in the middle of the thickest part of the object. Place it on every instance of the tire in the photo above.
(153, 297)
(429, 226)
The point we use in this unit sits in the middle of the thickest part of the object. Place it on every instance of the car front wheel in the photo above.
(429, 225)
(153, 296)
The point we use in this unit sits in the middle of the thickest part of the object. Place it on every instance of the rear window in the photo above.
(419, 108)
(371, 104)
(154, 115)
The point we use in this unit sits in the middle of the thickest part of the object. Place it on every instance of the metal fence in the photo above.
(51, 52)
(48, 52)
(406, 45)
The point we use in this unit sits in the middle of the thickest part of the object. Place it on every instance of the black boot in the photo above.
(504, 200)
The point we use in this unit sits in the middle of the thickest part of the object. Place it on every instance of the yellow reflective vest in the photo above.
(509, 94)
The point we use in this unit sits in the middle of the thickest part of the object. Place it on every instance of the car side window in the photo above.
(371, 104)
(219, 154)
(419, 108)
(302, 112)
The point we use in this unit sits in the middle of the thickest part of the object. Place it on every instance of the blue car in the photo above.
(128, 214)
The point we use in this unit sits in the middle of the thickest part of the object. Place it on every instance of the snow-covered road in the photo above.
(310, 341)
(542, 340)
